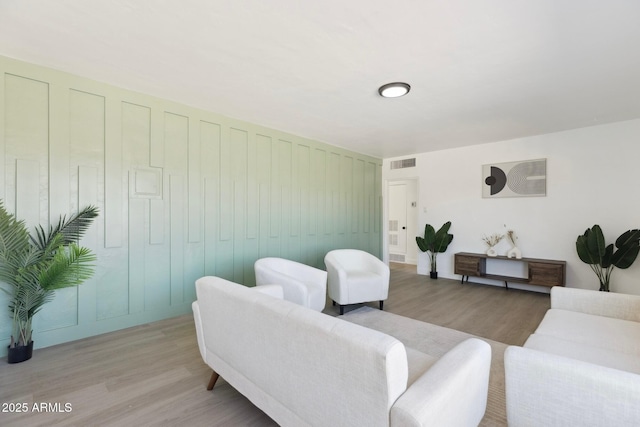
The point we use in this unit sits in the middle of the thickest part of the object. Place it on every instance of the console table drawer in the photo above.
(469, 265)
(545, 274)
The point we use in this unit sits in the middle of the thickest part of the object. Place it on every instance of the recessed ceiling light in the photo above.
(394, 90)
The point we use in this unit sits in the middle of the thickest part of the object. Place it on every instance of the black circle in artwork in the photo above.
(497, 180)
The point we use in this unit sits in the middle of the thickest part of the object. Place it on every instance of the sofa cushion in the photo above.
(584, 352)
(418, 363)
(601, 332)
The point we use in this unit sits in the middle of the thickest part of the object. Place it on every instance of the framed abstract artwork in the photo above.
(526, 178)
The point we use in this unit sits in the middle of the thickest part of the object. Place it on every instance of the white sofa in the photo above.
(302, 284)
(581, 366)
(306, 368)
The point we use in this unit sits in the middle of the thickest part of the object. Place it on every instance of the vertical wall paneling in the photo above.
(194, 182)
(136, 136)
(252, 248)
(226, 190)
(27, 190)
(294, 210)
(358, 197)
(369, 186)
(156, 222)
(114, 209)
(88, 195)
(304, 181)
(347, 189)
(253, 201)
(276, 193)
(27, 138)
(59, 151)
(210, 146)
(182, 193)
(263, 169)
(320, 172)
(238, 146)
(225, 245)
(3, 146)
(177, 200)
(136, 255)
(284, 154)
(156, 147)
(334, 174)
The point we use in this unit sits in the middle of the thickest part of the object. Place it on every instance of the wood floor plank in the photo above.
(153, 374)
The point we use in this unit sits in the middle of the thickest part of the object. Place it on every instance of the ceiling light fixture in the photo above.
(394, 90)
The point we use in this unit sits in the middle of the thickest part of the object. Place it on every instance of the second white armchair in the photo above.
(302, 284)
(356, 276)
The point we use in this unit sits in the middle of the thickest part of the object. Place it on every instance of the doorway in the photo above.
(402, 221)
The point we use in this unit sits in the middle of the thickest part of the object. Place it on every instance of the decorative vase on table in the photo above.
(491, 242)
(514, 252)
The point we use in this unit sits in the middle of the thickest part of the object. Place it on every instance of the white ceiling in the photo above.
(480, 70)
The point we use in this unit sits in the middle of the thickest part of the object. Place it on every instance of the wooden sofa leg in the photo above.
(212, 380)
(381, 302)
(341, 309)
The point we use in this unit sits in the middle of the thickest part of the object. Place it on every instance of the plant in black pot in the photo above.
(435, 242)
(603, 258)
(32, 267)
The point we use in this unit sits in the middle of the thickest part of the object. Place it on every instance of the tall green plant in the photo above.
(32, 267)
(603, 258)
(435, 242)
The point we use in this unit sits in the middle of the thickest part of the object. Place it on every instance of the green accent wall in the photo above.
(182, 193)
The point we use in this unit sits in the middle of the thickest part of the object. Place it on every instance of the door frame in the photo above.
(385, 215)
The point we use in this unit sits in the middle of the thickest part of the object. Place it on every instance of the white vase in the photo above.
(514, 252)
(491, 251)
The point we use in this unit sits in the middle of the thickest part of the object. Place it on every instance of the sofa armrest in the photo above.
(608, 304)
(544, 389)
(453, 392)
(199, 334)
(275, 291)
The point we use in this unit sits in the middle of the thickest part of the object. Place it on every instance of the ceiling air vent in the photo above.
(404, 163)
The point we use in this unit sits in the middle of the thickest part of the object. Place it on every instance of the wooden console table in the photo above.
(541, 272)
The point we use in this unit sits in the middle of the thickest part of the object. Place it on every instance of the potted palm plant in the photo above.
(32, 267)
(603, 258)
(435, 242)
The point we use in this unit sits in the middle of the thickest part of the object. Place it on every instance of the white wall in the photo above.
(591, 179)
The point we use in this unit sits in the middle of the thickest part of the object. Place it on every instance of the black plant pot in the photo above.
(20, 354)
(433, 274)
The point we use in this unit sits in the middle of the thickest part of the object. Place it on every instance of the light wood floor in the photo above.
(153, 374)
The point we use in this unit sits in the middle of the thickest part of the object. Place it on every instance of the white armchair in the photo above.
(302, 284)
(356, 276)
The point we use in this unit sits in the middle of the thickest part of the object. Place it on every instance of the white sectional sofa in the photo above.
(581, 367)
(304, 368)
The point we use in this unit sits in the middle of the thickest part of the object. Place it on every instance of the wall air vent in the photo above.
(404, 163)
(396, 257)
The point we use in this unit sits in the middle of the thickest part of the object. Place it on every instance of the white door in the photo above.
(397, 222)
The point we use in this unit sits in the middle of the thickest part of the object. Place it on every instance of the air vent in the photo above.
(396, 257)
(404, 163)
(393, 225)
(393, 239)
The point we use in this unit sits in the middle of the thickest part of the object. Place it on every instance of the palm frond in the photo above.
(71, 229)
(14, 236)
(68, 267)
